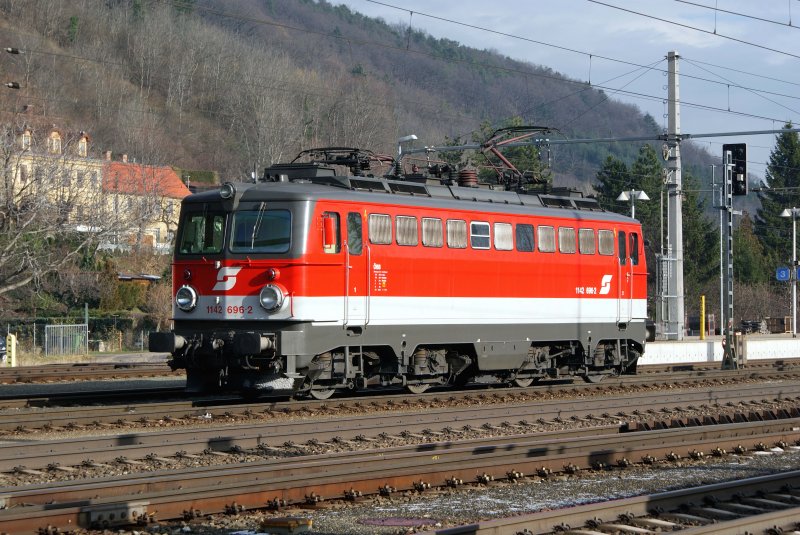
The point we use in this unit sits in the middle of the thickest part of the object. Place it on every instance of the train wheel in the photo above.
(418, 389)
(523, 382)
(321, 394)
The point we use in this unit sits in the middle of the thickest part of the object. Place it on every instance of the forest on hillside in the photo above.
(232, 86)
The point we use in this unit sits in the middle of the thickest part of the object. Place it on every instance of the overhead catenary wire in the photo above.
(743, 15)
(589, 55)
(690, 27)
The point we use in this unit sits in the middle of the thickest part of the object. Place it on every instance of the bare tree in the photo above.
(52, 208)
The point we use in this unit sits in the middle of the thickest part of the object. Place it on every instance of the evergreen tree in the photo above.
(612, 179)
(783, 191)
(700, 240)
(749, 263)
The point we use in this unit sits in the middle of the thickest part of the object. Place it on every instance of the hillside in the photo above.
(232, 86)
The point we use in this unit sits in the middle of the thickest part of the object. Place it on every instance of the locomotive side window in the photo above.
(331, 240)
(431, 232)
(605, 242)
(380, 229)
(566, 240)
(622, 247)
(406, 230)
(524, 238)
(547, 239)
(457, 233)
(479, 235)
(202, 233)
(354, 233)
(503, 240)
(261, 231)
(634, 239)
(586, 241)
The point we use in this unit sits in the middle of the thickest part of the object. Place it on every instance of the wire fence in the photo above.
(47, 337)
(66, 339)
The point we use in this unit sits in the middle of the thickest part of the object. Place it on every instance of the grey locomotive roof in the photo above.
(397, 192)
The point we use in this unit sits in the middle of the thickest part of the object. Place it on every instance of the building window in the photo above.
(54, 143)
(170, 209)
(83, 147)
(26, 140)
(94, 179)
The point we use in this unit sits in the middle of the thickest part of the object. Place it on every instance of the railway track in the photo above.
(432, 424)
(50, 373)
(134, 498)
(303, 432)
(766, 504)
(158, 392)
(227, 408)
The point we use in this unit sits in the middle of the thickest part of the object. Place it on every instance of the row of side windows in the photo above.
(478, 235)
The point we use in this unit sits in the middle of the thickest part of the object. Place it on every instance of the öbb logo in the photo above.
(605, 285)
(226, 279)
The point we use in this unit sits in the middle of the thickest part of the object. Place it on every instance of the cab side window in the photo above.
(634, 239)
(355, 238)
(331, 235)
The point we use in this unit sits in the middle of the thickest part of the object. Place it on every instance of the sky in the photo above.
(745, 68)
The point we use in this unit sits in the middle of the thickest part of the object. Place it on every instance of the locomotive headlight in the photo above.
(271, 297)
(186, 298)
(227, 190)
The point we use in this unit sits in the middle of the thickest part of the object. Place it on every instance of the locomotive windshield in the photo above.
(261, 231)
(201, 233)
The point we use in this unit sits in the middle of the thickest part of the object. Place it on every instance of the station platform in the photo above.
(692, 349)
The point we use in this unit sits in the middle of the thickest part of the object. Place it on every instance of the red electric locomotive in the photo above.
(311, 282)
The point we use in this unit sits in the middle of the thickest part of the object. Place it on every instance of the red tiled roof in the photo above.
(140, 179)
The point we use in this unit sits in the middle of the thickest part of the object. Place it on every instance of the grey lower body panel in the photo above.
(492, 346)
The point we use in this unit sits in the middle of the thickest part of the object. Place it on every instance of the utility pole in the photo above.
(674, 253)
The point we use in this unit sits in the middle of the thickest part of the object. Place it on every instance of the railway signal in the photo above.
(739, 161)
